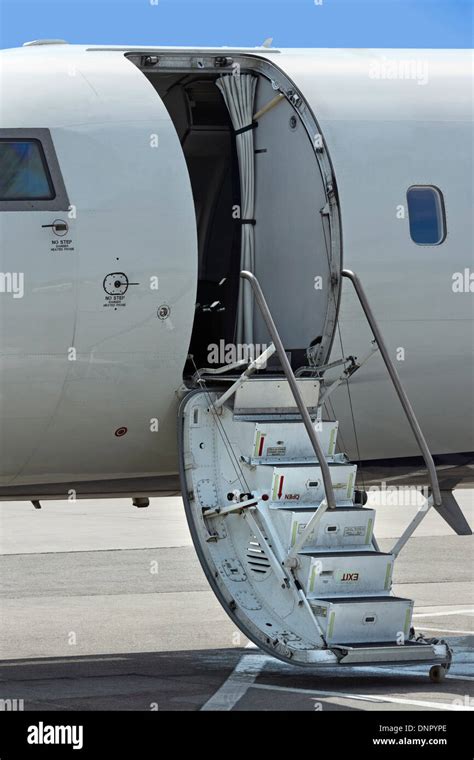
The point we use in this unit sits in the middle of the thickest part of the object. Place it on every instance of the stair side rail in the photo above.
(397, 383)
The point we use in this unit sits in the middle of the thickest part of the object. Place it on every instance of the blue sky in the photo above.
(292, 23)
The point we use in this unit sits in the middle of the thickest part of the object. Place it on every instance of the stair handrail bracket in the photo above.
(397, 383)
(293, 384)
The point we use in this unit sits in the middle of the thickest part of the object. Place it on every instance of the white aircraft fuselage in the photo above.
(101, 271)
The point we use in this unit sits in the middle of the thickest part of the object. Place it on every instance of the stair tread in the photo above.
(327, 552)
(287, 462)
(310, 509)
(334, 551)
(359, 599)
(382, 645)
(295, 465)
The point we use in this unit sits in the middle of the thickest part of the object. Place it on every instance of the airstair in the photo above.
(285, 539)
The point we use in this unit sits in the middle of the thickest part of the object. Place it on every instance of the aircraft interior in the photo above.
(290, 217)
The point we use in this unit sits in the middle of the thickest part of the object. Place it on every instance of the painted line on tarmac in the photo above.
(367, 698)
(447, 630)
(240, 680)
(443, 614)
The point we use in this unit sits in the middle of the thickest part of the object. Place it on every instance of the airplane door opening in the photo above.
(297, 251)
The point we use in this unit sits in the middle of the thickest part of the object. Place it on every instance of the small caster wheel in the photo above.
(437, 673)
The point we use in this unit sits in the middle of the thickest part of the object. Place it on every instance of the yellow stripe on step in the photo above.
(369, 530)
(331, 624)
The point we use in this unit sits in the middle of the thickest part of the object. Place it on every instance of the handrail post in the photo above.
(407, 407)
(292, 382)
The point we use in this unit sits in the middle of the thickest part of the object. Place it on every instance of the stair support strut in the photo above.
(410, 529)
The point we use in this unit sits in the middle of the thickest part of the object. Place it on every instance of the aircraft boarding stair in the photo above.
(284, 537)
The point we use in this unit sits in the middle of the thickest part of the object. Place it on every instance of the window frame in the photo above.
(60, 201)
(442, 210)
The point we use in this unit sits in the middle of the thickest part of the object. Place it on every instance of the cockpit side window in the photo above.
(30, 177)
(23, 172)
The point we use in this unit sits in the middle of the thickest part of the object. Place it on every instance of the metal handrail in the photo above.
(407, 407)
(292, 382)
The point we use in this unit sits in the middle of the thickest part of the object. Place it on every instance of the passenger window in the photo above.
(426, 215)
(24, 174)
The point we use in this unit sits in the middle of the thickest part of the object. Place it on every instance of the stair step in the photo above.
(345, 573)
(338, 529)
(364, 619)
(288, 442)
(380, 652)
(304, 485)
(248, 523)
(270, 398)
